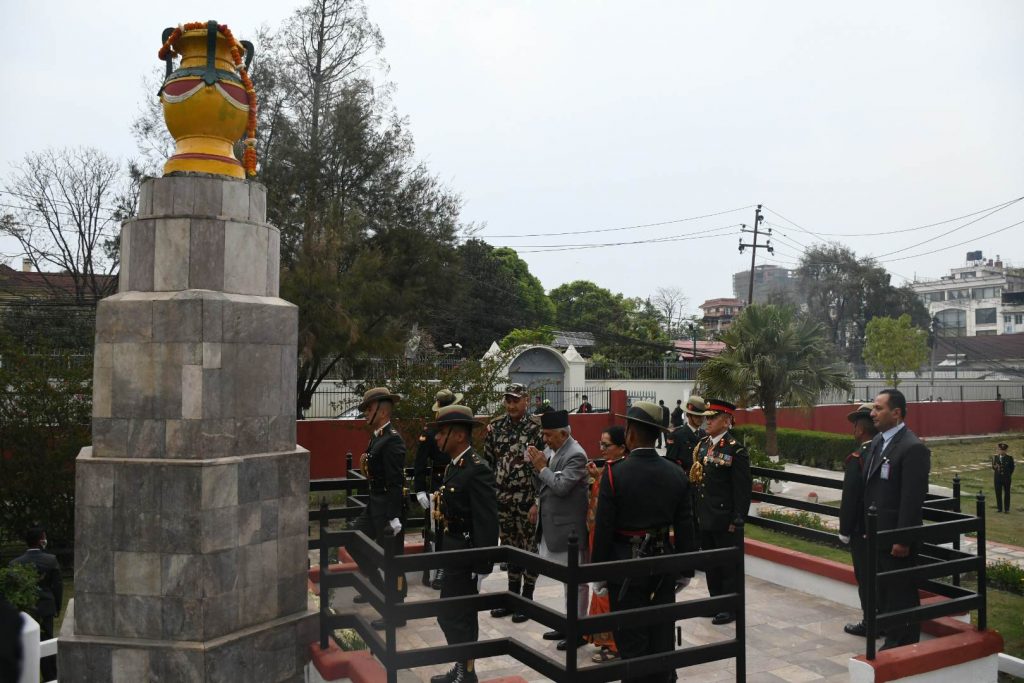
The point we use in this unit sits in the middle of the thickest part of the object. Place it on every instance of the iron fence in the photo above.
(649, 370)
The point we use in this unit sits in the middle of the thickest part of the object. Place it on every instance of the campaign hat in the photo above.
(645, 412)
(699, 407)
(378, 394)
(445, 397)
(863, 410)
(455, 414)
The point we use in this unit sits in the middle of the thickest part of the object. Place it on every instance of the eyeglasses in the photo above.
(605, 444)
(513, 399)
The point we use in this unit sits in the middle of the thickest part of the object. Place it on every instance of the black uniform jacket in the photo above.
(385, 457)
(680, 444)
(899, 497)
(469, 503)
(51, 588)
(851, 509)
(725, 490)
(1003, 465)
(641, 492)
(429, 459)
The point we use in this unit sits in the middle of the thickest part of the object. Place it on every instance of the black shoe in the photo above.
(519, 617)
(457, 674)
(359, 599)
(723, 618)
(381, 624)
(857, 629)
(888, 645)
(500, 612)
(563, 645)
(553, 635)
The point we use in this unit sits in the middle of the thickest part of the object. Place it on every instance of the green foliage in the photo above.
(45, 415)
(758, 458)
(1005, 575)
(773, 357)
(801, 518)
(518, 337)
(894, 345)
(19, 584)
(803, 447)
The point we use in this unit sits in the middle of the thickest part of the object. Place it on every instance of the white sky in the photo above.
(553, 116)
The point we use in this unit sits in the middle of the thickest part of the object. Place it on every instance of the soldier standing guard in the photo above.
(467, 509)
(851, 508)
(684, 438)
(1002, 468)
(721, 470)
(641, 497)
(505, 451)
(428, 471)
(383, 463)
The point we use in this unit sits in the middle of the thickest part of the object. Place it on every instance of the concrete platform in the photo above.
(791, 636)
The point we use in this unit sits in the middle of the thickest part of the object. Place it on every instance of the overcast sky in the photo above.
(555, 116)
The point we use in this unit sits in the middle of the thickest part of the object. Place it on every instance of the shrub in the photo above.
(1005, 575)
(19, 584)
(824, 450)
(802, 518)
(758, 458)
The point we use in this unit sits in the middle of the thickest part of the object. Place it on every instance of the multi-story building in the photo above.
(771, 284)
(719, 314)
(971, 300)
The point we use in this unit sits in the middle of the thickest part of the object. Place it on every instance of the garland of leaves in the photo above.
(167, 51)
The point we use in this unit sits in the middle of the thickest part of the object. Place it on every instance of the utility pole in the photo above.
(753, 249)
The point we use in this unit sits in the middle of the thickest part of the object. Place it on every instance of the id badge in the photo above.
(885, 470)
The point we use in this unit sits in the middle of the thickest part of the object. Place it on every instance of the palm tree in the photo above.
(774, 357)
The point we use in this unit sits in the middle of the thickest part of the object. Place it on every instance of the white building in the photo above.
(970, 300)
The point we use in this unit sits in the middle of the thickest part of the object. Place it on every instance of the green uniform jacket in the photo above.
(469, 504)
(725, 490)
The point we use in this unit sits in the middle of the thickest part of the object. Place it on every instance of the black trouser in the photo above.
(374, 523)
(47, 665)
(723, 578)
(858, 551)
(462, 627)
(1003, 492)
(652, 637)
(893, 596)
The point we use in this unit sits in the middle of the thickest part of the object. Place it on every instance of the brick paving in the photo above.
(791, 636)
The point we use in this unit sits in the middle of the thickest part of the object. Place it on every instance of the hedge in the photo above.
(824, 450)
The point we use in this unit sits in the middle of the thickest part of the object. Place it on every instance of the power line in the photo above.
(950, 232)
(627, 227)
(718, 232)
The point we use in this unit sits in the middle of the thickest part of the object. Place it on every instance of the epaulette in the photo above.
(732, 442)
(476, 459)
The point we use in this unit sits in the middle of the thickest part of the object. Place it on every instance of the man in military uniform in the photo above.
(851, 519)
(383, 463)
(1002, 468)
(640, 497)
(505, 451)
(468, 513)
(684, 438)
(721, 470)
(428, 470)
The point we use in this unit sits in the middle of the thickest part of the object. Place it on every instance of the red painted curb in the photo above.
(931, 655)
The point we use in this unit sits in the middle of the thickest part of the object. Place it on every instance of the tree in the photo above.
(894, 345)
(67, 206)
(520, 336)
(773, 357)
(670, 302)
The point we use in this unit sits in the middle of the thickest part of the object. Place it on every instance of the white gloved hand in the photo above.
(682, 583)
(424, 502)
(479, 578)
(600, 588)
(395, 525)
(844, 539)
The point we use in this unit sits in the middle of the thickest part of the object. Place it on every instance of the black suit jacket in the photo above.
(899, 498)
(851, 509)
(51, 589)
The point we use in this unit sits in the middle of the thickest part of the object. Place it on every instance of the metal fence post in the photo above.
(390, 588)
(741, 608)
(956, 506)
(325, 593)
(572, 601)
(982, 588)
(871, 577)
(348, 463)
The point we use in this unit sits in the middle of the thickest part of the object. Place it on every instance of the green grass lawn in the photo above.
(957, 456)
(1005, 610)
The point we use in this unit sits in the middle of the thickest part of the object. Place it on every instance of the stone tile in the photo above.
(182, 665)
(293, 475)
(213, 313)
(249, 523)
(293, 516)
(206, 263)
(192, 392)
(180, 487)
(235, 204)
(123, 321)
(219, 529)
(291, 555)
(273, 261)
(131, 664)
(184, 195)
(796, 674)
(137, 530)
(136, 573)
(289, 376)
(171, 254)
(89, 661)
(251, 435)
(291, 594)
(220, 615)
(209, 196)
(220, 572)
(94, 568)
(178, 320)
(137, 616)
(145, 207)
(124, 275)
(142, 252)
(146, 438)
(183, 439)
(266, 470)
(181, 576)
(268, 520)
(219, 486)
(257, 203)
(211, 355)
(136, 488)
(182, 619)
(94, 613)
(134, 382)
(94, 483)
(181, 532)
(163, 196)
(281, 433)
(102, 381)
(245, 258)
(212, 393)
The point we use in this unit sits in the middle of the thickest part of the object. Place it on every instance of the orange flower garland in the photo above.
(237, 51)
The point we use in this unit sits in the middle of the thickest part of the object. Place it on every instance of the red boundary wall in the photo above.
(950, 418)
(329, 440)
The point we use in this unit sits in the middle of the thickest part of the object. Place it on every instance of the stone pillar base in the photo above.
(272, 652)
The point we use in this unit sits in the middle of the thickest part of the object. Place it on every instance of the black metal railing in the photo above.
(386, 602)
(934, 560)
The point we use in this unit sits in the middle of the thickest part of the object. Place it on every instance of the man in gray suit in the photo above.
(561, 477)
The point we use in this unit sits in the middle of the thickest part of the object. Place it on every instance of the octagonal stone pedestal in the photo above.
(191, 505)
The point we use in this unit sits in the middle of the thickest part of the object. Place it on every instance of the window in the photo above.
(985, 316)
(929, 297)
(985, 292)
(954, 294)
(951, 323)
(1018, 319)
(985, 333)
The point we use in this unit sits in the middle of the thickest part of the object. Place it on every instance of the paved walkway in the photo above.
(791, 636)
(994, 550)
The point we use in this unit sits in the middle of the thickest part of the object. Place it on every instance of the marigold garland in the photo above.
(237, 51)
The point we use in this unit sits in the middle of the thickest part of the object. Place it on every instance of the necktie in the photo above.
(876, 448)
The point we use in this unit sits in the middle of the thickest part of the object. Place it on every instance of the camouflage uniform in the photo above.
(505, 451)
